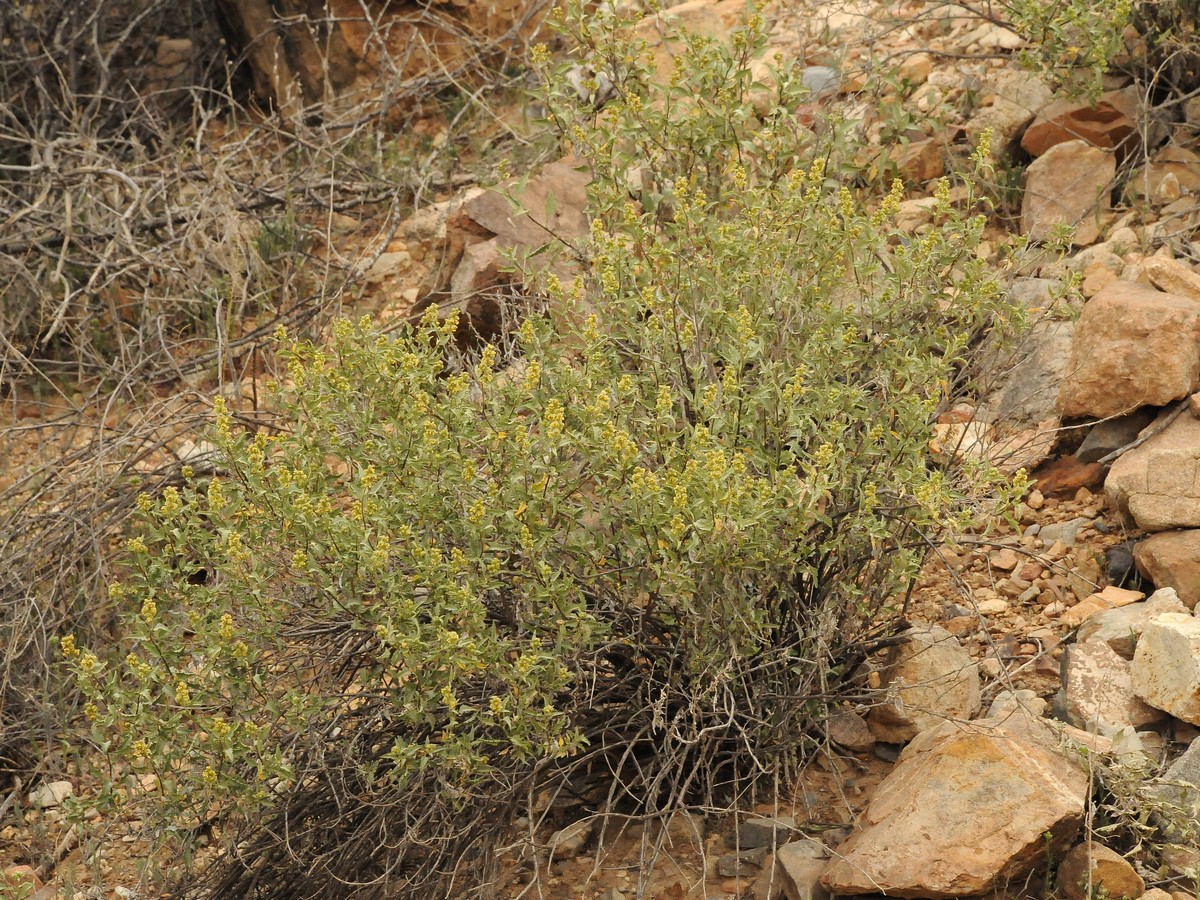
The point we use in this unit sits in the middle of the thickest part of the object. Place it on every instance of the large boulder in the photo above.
(968, 807)
(1070, 185)
(1157, 485)
(929, 678)
(1166, 665)
(1134, 346)
(1171, 559)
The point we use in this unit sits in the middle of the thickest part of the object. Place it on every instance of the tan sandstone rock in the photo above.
(1171, 559)
(967, 807)
(1133, 346)
(1071, 184)
(1093, 870)
(1157, 485)
(1098, 691)
(1166, 665)
(928, 679)
(1109, 124)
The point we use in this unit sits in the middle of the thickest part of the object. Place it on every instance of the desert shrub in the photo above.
(650, 534)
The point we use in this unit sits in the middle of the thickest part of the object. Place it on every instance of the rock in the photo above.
(919, 161)
(1018, 96)
(1062, 531)
(1157, 485)
(915, 68)
(1172, 160)
(1166, 665)
(849, 730)
(1110, 598)
(968, 806)
(1121, 628)
(912, 214)
(1021, 702)
(764, 832)
(1178, 794)
(927, 679)
(1092, 870)
(1071, 184)
(1098, 691)
(50, 794)
(486, 229)
(1172, 276)
(1066, 475)
(1133, 347)
(743, 864)
(1171, 559)
(1033, 370)
(567, 842)
(1003, 559)
(1109, 124)
(801, 864)
(1111, 434)
(663, 31)
(821, 81)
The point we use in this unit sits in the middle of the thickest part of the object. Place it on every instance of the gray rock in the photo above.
(802, 864)
(764, 832)
(1111, 434)
(734, 865)
(1062, 531)
(821, 81)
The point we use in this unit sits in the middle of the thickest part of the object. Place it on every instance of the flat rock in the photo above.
(567, 842)
(1121, 628)
(50, 794)
(762, 831)
(1172, 276)
(1104, 871)
(927, 679)
(1108, 124)
(1171, 559)
(968, 807)
(1157, 485)
(1071, 185)
(1134, 346)
(1178, 790)
(849, 730)
(1098, 691)
(1166, 665)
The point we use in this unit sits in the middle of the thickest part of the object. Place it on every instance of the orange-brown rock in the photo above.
(1110, 124)
(1064, 476)
(1093, 870)
(1133, 346)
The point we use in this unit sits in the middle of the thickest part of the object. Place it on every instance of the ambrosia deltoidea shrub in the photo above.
(649, 536)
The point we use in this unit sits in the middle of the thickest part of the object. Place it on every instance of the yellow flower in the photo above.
(183, 696)
(149, 610)
(141, 749)
(209, 775)
(226, 628)
(136, 545)
(88, 662)
(69, 649)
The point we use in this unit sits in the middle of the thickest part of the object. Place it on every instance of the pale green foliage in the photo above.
(1074, 41)
(673, 513)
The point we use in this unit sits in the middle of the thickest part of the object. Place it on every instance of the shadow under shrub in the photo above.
(654, 545)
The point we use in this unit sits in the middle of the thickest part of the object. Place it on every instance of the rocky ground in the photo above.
(1045, 650)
